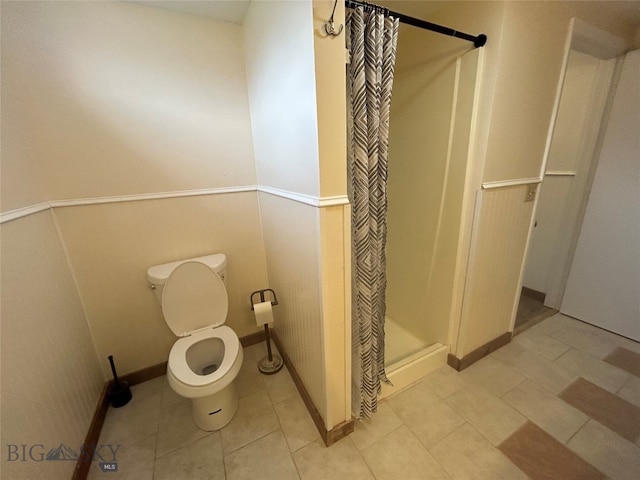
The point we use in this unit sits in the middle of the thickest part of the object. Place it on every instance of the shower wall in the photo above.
(429, 138)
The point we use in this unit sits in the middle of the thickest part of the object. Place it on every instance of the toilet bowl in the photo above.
(206, 358)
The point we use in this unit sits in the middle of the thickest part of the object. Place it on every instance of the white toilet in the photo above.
(205, 360)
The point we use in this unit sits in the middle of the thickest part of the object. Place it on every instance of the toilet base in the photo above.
(215, 411)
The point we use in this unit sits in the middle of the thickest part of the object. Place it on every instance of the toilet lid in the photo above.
(194, 297)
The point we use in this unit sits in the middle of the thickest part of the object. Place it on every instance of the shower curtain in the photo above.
(371, 40)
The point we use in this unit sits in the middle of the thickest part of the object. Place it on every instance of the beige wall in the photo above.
(291, 81)
(429, 139)
(281, 81)
(51, 380)
(443, 265)
(112, 245)
(330, 74)
(527, 73)
(144, 102)
(334, 214)
(501, 228)
(520, 74)
(291, 231)
(111, 99)
(528, 70)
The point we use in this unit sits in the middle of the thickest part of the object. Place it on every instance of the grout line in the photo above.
(577, 431)
(155, 447)
(513, 388)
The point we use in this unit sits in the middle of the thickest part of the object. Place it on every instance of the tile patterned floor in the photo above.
(561, 401)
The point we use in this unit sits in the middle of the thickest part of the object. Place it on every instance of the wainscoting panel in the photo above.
(291, 238)
(50, 375)
(498, 246)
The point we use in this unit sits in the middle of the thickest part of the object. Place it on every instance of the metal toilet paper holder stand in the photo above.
(271, 363)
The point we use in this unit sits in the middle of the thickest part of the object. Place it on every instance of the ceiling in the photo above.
(224, 10)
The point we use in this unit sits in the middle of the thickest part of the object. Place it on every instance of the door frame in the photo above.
(592, 41)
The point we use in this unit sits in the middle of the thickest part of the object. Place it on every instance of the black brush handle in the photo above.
(113, 370)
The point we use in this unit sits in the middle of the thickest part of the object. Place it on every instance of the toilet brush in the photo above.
(119, 393)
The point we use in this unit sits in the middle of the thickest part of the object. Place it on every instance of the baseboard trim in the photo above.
(252, 339)
(328, 436)
(83, 464)
(479, 353)
(81, 470)
(145, 374)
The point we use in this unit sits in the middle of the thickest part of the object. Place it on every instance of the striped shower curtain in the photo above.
(371, 40)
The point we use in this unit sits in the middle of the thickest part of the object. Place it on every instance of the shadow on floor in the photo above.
(531, 310)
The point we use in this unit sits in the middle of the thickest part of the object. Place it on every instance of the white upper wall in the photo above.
(113, 98)
(280, 67)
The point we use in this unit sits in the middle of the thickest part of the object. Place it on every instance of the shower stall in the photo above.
(432, 106)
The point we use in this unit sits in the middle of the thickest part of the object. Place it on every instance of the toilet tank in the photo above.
(158, 274)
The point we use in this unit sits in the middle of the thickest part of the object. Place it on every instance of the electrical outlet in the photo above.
(531, 192)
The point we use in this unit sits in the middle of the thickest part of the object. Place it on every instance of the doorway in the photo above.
(582, 113)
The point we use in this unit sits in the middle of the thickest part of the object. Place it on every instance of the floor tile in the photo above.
(280, 386)
(610, 410)
(201, 460)
(540, 370)
(542, 457)
(507, 353)
(253, 353)
(467, 455)
(340, 460)
(488, 414)
(593, 369)
(415, 434)
(493, 375)
(544, 345)
(429, 417)
(297, 425)
(445, 381)
(607, 451)
(135, 420)
(630, 391)
(586, 339)
(625, 359)
(552, 324)
(367, 431)
(547, 411)
(619, 340)
(135, 462)
(400, 455)
(169, 397)
(254, 419)
(267, 457)
(176, 428)
(249, 379)
(148, 389)
(627, 343)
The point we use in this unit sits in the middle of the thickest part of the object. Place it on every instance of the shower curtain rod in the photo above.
(478, 41)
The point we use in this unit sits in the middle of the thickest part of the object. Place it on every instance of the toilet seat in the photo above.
(194, 297)
(178, 356)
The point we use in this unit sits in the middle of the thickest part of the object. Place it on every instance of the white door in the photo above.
(603, 287)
